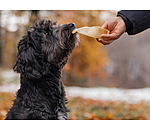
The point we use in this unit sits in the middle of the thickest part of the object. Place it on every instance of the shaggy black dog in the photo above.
(42, 54)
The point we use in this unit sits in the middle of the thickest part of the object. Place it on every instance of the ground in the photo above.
(89, 109)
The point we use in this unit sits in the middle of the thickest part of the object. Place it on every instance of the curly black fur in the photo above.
(42, 54)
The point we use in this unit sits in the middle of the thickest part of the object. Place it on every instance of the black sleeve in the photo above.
(136, 21)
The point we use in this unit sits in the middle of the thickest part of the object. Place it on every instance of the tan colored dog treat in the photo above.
(94, 31)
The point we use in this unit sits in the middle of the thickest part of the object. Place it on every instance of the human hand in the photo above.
(116, 26)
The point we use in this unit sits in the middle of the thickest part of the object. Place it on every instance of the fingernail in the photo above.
(103, 35)
(99, 40)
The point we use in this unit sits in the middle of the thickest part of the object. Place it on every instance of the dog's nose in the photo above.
(72, 25)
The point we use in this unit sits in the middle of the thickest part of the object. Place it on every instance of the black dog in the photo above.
(42, 54)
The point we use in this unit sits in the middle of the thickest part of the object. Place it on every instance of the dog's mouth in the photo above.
(67, 30)
(67, 35)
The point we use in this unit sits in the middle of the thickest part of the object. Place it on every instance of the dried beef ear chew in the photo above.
(94, 31)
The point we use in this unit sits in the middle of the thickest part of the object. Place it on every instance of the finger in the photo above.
(109, 36)
(105, 42)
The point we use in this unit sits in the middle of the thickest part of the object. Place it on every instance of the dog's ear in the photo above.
(29, 58)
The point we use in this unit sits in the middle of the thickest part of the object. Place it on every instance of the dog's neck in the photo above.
(49, 87)
(52, 72)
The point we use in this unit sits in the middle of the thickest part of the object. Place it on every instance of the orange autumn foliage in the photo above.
(5, 104)
(88, 109)
(88, 60)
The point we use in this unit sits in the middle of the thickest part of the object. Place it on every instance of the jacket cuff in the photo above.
(129, 26)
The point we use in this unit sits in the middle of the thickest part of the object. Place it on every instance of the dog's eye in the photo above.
(46, 33)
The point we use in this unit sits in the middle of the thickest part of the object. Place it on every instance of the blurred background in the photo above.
(102, 82)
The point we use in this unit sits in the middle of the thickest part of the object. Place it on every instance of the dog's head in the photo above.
(46, 44)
